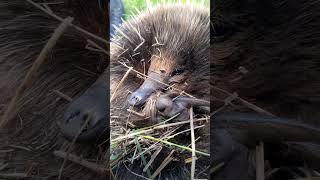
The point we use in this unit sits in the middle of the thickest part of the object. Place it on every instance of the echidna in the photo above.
(168, 47)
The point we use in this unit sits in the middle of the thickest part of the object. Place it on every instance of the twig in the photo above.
(142, 115)
(173, 144)
(20, 147)
(72, 143)
(20, 176)
(161, 123)
(46, 6)
(181, 132)
(130, 135)
(142, 131)
(27, 81)
(142, 156)
(217, 167)
(62, 95)
(165, 162)
(99, 48)
(85, 70)
(136, 173)
(260, 161)
(217, 110)
(254, 107)
(72, 25)
(153, 157)
(179, 123)
(14, 175)
(156, 143)
(135, 49)
(246, 103)
(3, 166)
(190, 143)
(120, 83)
(78, 160)
(193, 146)
(189, 160)
(6, 151)
(157, 42)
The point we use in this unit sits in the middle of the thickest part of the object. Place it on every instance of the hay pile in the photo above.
(140, 136)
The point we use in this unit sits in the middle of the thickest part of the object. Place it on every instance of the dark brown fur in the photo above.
(24, 31)
(276, 42)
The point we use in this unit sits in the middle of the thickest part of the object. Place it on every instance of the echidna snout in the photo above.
(154, 82)
(86, 116)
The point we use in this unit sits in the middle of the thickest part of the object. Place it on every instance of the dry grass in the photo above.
(148, 140)
(231, 101)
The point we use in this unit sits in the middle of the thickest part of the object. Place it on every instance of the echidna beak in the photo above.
(85, 117)
(149, 86)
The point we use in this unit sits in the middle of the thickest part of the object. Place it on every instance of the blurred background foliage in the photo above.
(130, 6)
